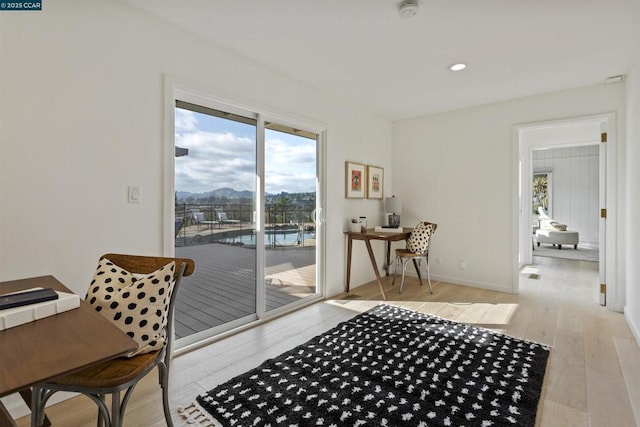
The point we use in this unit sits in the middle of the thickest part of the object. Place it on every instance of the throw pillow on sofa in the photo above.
(558, 227)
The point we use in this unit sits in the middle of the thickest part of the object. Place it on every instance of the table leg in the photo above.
(5, 417)
(375, 267)
(349, 244)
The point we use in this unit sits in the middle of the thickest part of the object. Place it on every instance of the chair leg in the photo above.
(416, 265)
(429, 277)
(116, 415)
(404, 269)
(163, 373)
(102, 422)
(103, 419)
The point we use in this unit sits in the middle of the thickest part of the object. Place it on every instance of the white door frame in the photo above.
(595, 125)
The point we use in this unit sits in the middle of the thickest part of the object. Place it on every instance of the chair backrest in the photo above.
(418, 241)
(222, 216)
(140, 264)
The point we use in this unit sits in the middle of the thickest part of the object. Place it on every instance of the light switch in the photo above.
(134, 194)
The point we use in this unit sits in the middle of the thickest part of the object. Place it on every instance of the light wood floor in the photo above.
(593, 377)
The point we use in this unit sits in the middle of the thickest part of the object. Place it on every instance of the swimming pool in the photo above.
(271, 238)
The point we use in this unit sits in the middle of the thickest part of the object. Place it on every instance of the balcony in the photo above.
(222, 287)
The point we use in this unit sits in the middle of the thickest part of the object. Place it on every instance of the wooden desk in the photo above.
(53, 346)
(367, 237)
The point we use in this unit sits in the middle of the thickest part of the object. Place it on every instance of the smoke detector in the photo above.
(408, 8)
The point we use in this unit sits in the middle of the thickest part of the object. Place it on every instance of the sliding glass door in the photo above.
(245, 203)
(290, 228)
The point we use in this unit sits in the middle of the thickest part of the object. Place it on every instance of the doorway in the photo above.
(577, 132)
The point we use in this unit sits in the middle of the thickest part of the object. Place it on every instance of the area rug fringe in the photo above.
(194, 414)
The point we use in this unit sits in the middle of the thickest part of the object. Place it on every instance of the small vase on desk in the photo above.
(354, 227)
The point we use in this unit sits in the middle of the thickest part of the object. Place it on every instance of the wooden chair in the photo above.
(419, 254)
(113, 376)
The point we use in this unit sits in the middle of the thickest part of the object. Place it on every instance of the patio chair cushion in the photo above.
(137, 304)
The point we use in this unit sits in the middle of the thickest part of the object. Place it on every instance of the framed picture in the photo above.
(375, 179)
(355, 180)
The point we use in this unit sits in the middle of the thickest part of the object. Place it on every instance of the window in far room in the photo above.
(541, 192)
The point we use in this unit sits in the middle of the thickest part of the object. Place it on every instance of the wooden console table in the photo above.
(53, 346)
(367, 237)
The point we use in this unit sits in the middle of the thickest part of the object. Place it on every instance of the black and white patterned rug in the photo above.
(388, 367)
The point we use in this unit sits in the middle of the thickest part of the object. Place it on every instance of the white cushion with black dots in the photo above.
(418, 241)
(137, 304)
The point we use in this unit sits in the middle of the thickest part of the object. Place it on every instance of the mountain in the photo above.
(228, 193)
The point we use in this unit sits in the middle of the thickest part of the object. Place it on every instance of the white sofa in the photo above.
(554, 233)
(556, 237)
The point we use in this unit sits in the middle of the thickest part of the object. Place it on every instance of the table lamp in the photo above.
(394, 207)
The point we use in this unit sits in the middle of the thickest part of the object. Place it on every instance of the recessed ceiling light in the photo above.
(458, 66)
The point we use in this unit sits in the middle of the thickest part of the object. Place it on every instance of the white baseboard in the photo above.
(634, 331)
(472, 283)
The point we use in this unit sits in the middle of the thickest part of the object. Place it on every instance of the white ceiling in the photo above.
(363, 51)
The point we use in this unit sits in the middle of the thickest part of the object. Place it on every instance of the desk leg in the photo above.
(349, 244)
(375, 268)
(387, 257)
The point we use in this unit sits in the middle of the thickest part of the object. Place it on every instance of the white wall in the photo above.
(456, 169)
(574, 187)
(632, 266)
(81, 110)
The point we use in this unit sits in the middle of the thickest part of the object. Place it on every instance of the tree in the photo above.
(540, 192)
(282, 205)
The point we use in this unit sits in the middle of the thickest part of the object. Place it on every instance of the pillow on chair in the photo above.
(418, 241)
(137, 304)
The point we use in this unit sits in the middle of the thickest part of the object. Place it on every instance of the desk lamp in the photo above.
(393, 205)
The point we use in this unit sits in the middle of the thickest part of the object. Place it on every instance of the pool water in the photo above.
(288, 238)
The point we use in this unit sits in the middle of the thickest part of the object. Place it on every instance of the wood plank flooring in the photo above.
(222, 288)
(593, 377)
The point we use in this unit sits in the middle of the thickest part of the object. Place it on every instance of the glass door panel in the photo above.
(290, 205)
(215, 194)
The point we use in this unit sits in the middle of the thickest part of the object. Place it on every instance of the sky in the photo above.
(222, 154)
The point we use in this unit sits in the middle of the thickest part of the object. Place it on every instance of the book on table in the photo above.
(18, 299)
(387, 229)
(37, 303)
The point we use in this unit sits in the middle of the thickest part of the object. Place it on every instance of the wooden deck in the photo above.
(222, 287)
